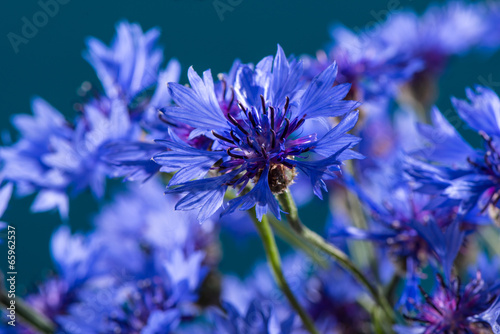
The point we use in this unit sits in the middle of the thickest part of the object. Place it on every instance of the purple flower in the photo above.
(402, 221)
(452, 308)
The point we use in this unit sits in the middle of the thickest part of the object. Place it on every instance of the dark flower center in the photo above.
(280, 178)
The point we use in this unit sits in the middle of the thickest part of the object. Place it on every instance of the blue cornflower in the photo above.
(130, 65)
(452, 308)
(260, 143)
(442, 31)
(452, 168)
(24, 162)
(373, 67)
(140, 250)
(81, 158)
(76, 258)
(128, 69)
(138, 224)
(150, 304)
(402, 222)
(57, 158)
(406, 51)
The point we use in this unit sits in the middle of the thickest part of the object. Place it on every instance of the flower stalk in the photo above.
(274, 261)
(315, 239)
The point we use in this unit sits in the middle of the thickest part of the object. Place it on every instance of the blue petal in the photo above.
(483, 113)
(336, 138)
(198, 105)
(322, 99)
(5, 194)
(320, 169)
(182, 155)
(207, 194)
(162, 322)
(285, 78)
(260, 196)
(445, 244)
(51, 199)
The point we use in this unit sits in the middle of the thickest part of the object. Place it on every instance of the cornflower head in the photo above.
(137, 270)
(129, 70)
(261, 143)
(452, 308)
(153, 303)
(369, 63)
(24, 164)
(450, 167)
(130, 64)
(441, 32)
(77, 263)
(408, 224)
(403, 55)
(57, 158)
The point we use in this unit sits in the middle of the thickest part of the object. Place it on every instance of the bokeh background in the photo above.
(50, 65)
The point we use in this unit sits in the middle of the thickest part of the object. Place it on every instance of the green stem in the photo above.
(284, 233)
(390, 289)
(315, 239)
(274, 261)
(28, 314)
(296, 242)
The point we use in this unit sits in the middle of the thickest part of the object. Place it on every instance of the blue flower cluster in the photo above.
(411, 241)
(57, 158)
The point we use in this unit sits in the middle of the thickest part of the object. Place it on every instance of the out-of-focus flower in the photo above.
(407, 51)
(57, 158)
(441, 32)
(24, 162)
(143, 268)
(130, 64)
(259, 317)
(452, 308)
(451, 168)
(374, 67)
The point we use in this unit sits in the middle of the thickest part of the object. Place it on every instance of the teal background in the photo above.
(50, 65)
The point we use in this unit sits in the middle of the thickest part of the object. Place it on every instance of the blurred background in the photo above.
(202, 33)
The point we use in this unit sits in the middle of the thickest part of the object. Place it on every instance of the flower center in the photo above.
(280, 177)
